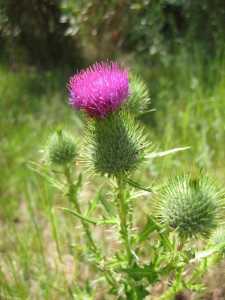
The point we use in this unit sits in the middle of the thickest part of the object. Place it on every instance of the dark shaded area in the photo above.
(35, 34)
(181, 296)
(49, 33)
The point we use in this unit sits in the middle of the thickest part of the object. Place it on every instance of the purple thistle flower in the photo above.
(100, 89)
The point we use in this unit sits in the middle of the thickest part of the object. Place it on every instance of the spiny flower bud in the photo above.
(61, 148)
(115, 145)
(191, 206)
(139, 99)
(100, 89)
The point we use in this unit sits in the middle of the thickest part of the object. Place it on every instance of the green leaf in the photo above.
(138, 273)
(207, 253)
(149, 227)
(138, 186)
(88, 220)
(107, 222)
(79, 181)
(165, 240)
(139, 293)
(76, 214)
(109, 208)
(42, 171)
(93, 203)
(167, 152)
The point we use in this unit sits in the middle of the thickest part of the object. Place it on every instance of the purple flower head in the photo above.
(100, 89)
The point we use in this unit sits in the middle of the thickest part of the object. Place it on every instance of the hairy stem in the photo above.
(72, 195)
(176, 287)
(123, 215)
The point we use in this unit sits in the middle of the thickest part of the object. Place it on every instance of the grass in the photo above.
(188, 94)
(40, 246)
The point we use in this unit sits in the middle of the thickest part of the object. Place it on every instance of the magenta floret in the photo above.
(99, 89)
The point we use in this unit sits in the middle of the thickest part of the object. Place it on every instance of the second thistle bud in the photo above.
(191, 206)
(115, 144)
(61, 149)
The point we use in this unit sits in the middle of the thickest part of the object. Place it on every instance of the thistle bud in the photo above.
(115, 145)
(191, 206)
(61, 149)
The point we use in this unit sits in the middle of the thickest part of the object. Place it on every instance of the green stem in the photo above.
(72, 195)
(123, 215)
(176, 287)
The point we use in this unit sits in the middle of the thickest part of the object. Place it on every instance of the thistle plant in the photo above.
(61, 153)
(115, 145)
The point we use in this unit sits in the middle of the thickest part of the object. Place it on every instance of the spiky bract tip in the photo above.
(61, 148)
(191, 206)
(115, 145)
(139, 99)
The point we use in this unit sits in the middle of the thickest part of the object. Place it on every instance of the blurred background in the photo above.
(176, 46)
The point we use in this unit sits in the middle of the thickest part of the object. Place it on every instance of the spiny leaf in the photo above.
(109, 208)
(88, 220)
(149, 227)
(139, 293)
(138, 186)
(167, 152)
(39, 169)
(93, 203)
(74, 213)
(139, 273)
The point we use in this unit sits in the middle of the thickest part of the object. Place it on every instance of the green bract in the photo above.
(139, 99)
(191, 206)
(61, 149)
(115, 145)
